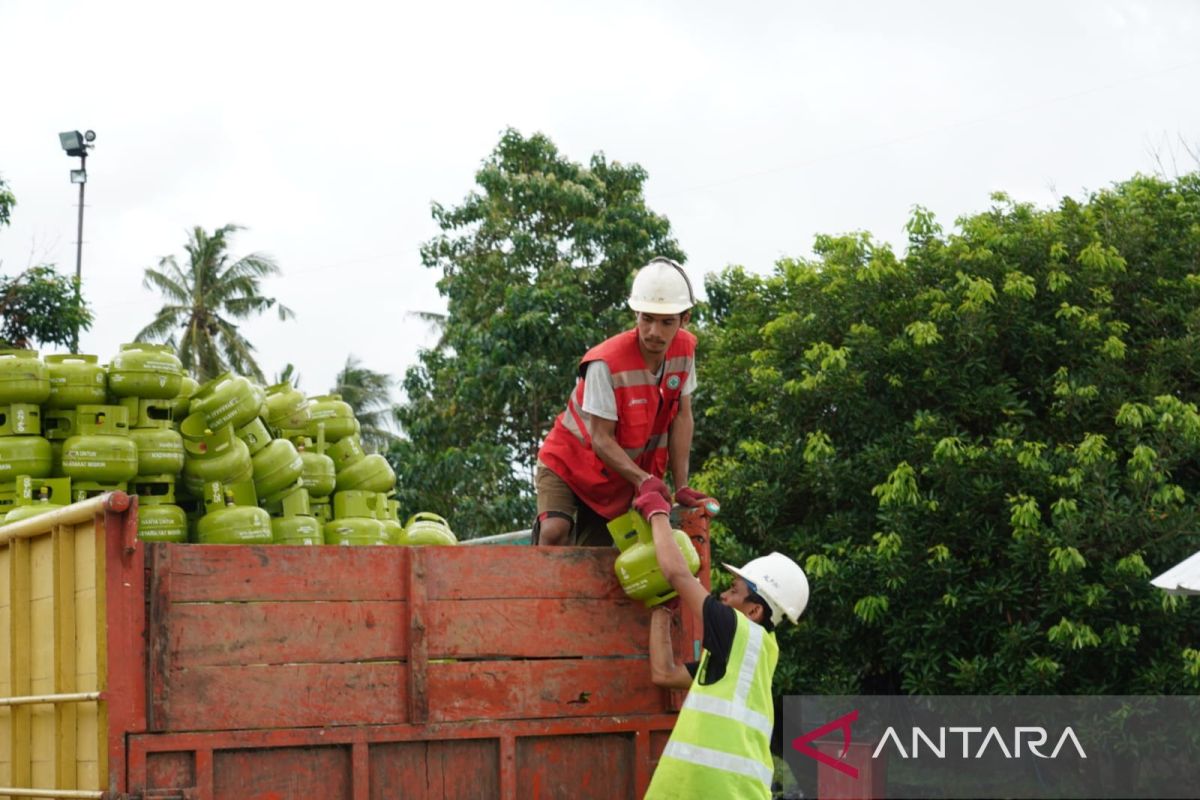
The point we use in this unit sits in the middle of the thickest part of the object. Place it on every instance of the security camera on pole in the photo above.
(77, 144)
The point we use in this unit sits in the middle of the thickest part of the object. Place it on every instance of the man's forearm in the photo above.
(614, 457)
(679, 448)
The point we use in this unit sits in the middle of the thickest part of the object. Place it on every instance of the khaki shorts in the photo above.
(589, 529)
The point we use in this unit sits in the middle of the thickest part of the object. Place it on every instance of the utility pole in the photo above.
(77, 144)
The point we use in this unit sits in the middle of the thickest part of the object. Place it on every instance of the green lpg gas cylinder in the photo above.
(25, 455)
(160, 451)
(356, 520)
(287, 407)
(372, 474)
(276, 467)
(235, 525)
(162, 523)
(393, 528)
(21, 419)
(346, 452)
(355, 532)
(335, 414)
(34, 497)
(181, 401)
(76, 380)
(229, 523)
(101, 451)
(23, 377)
(212, 456)
(427, 528)
(227, 399)
(18, 513)
(255, 434)
(58, 424)
(637, 566)
(318, 476)
(300, 530)
(145, 370)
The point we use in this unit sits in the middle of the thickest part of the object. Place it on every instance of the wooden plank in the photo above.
(501, 572)
(20, 652)
(641, 762)
(433, 770)
(537, 628)
(508, 766)
(214, 573)
(544, 688)
(360, 782)
(65, 714)
(211, 634)
(158, 655)
(286, 695)
(164, 771)
(323, 772)
(418, 656)
(587, 767)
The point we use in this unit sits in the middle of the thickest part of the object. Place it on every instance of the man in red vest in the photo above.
(628, 418)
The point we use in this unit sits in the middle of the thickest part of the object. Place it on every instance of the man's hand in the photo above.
(687, 496)
(651, 502)
(653, 484)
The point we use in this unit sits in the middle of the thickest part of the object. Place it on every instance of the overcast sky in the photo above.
(328, 129)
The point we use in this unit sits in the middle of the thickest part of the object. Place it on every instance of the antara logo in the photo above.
(1033, 737)
(1036, 738)
(842, 723)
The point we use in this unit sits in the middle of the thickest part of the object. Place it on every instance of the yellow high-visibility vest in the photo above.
(721, 745)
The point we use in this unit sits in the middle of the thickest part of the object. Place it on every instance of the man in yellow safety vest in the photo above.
(721, 744)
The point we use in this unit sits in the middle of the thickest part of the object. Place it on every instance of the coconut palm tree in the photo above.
(369, 393)
(205, 298)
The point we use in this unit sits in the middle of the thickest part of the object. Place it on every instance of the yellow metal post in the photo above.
(65, 714)
(20, 654)
(101, 648)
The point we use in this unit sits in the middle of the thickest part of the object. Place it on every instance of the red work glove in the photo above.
(650, 503)
(653, 484)
(689, 497)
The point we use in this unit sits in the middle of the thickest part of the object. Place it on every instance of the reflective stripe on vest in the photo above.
(726, 762)
(736, 709)
(646, 407)
(725, 726)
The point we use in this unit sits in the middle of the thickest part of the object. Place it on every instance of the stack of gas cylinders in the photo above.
(226, 462)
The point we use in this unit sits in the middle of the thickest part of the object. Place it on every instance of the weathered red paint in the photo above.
(507, 672)
(124, 597)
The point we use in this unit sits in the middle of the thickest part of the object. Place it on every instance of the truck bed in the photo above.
(331, 672)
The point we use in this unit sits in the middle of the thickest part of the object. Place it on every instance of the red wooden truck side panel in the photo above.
(277, 672)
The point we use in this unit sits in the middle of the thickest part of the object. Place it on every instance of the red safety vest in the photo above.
(645, 409)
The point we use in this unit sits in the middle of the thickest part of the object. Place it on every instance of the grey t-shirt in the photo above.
(600, 400)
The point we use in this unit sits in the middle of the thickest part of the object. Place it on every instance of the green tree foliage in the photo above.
(204, 298)
(38, 306)
(981, 451)
(41, 307)
(369, 393)
(535, 269)
(7, 201)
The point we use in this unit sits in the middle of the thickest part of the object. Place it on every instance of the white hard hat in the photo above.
(778, 580)
(661, 287)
